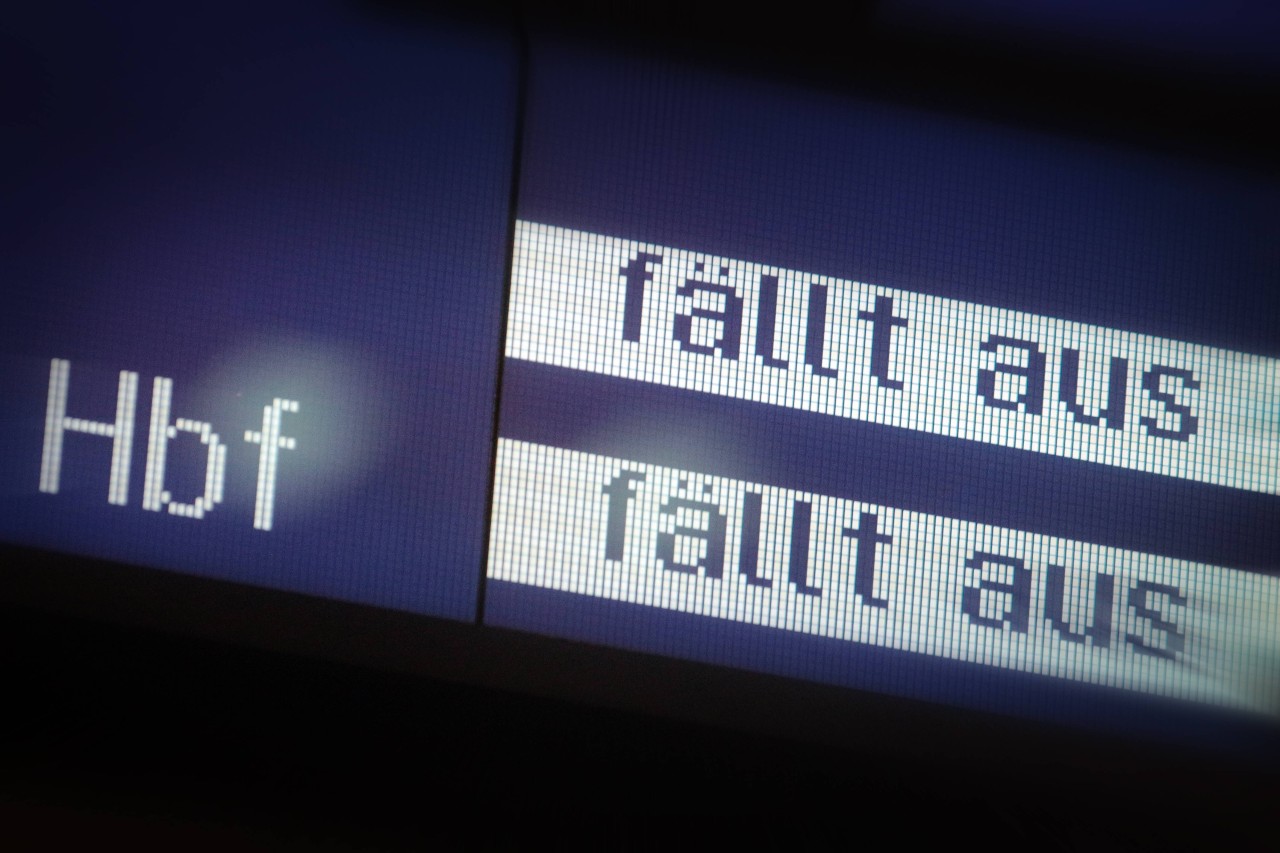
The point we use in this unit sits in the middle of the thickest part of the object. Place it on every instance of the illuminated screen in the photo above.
(892, 400)
(787, 381)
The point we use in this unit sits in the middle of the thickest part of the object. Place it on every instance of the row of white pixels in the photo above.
(699, 544)
(721, 326)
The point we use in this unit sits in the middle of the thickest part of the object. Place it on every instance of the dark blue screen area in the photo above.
(261, 201)
(1081, 228)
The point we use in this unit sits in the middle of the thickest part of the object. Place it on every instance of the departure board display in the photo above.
(488, 328)
(832, 389)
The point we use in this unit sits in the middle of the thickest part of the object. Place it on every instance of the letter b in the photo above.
(154, 494)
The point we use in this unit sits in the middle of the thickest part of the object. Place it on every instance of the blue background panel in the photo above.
(299, 202)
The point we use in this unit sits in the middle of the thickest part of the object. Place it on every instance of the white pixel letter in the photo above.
(272, 443)
(56, 424)
(154, 495)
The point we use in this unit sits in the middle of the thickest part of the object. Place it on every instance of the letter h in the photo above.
(57, 423)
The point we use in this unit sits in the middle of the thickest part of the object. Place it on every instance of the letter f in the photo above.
(272, 443)
(636, 271)
(621, 489)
